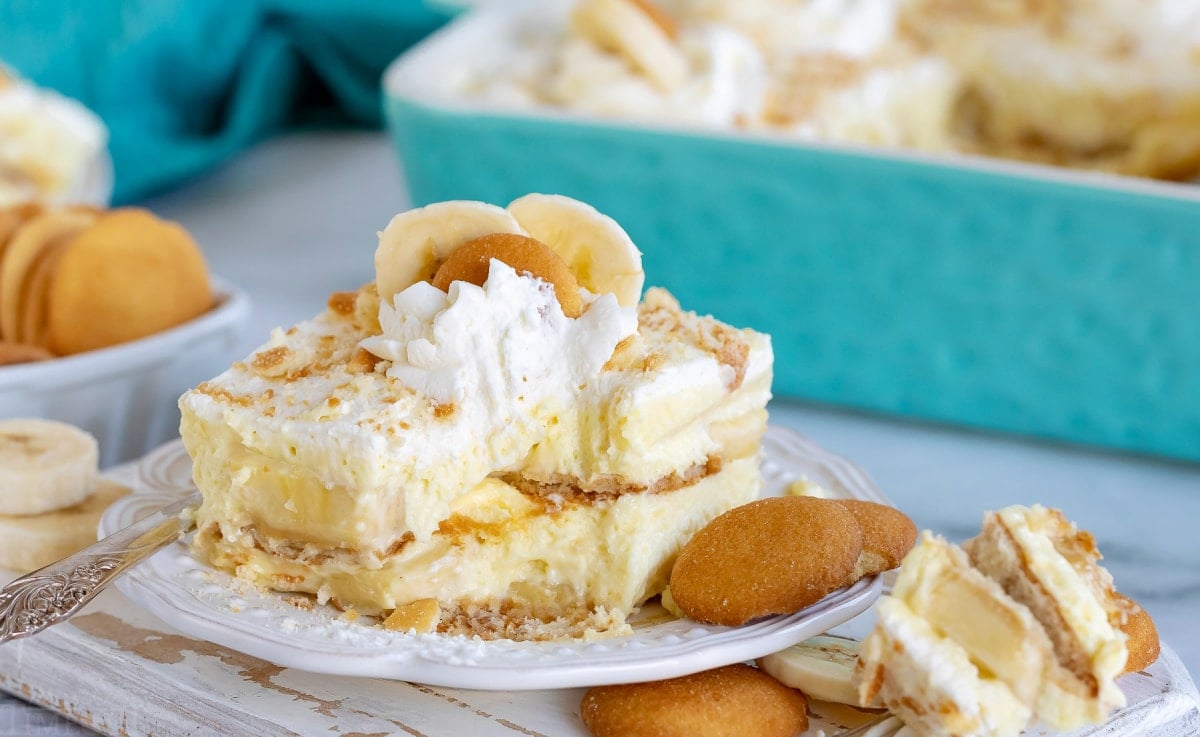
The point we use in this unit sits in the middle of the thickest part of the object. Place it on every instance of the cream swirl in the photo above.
(505, 346)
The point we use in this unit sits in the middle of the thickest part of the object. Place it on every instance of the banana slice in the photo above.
(44, 466)
(668, 603)
(416, 242)
(821, 667)
(28, 543)
(626, 28)
(595, 247)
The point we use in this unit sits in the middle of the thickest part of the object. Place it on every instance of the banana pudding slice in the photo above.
(495, 426)
(1050, 566)
(951, 653)
(1021, 624)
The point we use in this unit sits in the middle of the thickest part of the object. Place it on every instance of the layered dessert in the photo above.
(814, 70)
(498, 430)
(1101, 84)
(1021, 623)
(1111, 85)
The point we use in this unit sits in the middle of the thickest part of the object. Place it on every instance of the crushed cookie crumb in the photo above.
(298, 373)
(653, 362)
(362, 362)
(266, 362)
(342, 303)
(400, 544)
(420, 616)
(660, 311)
(442, 411)
(300, 602)
(224, 395)
(728, 346)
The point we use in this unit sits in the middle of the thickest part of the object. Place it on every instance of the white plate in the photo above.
(202, 602)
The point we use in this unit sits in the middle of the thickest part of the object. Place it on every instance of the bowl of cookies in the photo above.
(106, 317)
(859, 180)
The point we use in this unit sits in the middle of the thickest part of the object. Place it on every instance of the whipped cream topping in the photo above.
(47, 141)
(506, 345)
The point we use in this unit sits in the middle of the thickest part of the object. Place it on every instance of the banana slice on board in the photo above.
(597, 249)
(416, 242)
(30, 542)
(44, 466)
(821, 667)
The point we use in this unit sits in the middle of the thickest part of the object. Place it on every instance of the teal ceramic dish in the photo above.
(950, 288)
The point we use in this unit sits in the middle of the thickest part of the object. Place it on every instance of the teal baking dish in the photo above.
(951, 288)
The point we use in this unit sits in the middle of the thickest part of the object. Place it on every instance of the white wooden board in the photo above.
(122, 672)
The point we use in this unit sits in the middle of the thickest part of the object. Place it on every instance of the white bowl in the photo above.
(126, 395)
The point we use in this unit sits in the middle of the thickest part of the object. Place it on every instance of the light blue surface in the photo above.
(960, 293)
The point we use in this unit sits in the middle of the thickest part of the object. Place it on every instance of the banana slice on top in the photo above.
(597, 249)
(594, 247)
(44, 466)
(416, 242)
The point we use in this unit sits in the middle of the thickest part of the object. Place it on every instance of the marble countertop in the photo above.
(296, 218)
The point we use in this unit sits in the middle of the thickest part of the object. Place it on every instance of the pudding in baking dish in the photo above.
(497, 433)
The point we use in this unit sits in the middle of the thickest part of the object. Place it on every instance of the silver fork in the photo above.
(52, 594)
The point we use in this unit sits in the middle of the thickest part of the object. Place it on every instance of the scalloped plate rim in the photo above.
(438, 660)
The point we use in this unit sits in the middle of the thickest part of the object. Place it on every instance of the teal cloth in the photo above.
(186, 84)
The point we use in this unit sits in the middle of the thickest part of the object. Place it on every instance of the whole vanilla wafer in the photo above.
(733, 701)
(471, 262)
(126, 276)
(772, 556)
(1141, 636)
(24, 249)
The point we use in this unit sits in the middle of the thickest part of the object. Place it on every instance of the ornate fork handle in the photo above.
(52, 594)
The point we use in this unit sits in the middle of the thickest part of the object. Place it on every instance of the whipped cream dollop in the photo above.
(47, 144)
(506, 344)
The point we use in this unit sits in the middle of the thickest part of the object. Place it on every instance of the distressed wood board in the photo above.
(123, 672)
